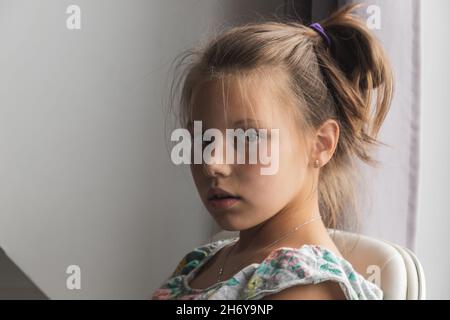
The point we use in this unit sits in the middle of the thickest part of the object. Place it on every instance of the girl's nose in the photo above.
(216, 164)
(216, 169)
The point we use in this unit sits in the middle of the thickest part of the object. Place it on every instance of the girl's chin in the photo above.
(229, 225)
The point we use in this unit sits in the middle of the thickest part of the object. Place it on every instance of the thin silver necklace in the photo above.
(222, 266)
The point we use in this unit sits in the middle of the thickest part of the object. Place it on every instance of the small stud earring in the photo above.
(316, 163)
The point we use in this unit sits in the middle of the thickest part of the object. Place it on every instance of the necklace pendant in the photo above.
(219, 277)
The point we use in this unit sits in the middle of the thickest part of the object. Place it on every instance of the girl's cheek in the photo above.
(250, 176)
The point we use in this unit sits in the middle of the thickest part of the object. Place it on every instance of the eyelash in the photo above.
(258, 137)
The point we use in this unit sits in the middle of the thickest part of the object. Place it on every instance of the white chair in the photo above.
(396, 270)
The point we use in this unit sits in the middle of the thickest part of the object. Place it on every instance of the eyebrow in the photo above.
(242, 121)
(190, 124)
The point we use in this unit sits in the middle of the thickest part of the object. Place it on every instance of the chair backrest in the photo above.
(396, 270)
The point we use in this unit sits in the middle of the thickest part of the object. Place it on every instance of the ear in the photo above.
(325, 143)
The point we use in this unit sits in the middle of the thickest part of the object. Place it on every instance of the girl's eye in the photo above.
(252, 136)
(205, 143)
(241, 136)
(249, 135)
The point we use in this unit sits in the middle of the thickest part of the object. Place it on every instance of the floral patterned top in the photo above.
(282, 268)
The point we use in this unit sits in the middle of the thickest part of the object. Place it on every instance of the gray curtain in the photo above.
(390, 205)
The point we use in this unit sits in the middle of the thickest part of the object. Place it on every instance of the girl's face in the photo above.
(259, 196)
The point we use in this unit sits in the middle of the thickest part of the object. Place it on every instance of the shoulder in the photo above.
(308, 272)
(327, 290)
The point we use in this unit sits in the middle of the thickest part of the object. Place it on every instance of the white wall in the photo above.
(85, 175)
(433, 236)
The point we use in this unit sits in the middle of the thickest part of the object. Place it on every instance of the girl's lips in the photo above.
(223, 203)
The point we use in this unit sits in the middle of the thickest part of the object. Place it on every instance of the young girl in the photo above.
(315, 84)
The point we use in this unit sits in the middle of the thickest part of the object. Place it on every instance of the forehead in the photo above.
(231, 98)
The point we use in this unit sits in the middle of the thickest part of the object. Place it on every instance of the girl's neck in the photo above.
(281, 224)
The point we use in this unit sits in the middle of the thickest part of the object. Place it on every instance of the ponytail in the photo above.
(355, 66)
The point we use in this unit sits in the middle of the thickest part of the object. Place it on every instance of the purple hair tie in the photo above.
(319, 29)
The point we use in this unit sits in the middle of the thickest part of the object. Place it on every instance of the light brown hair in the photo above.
(350, 81)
